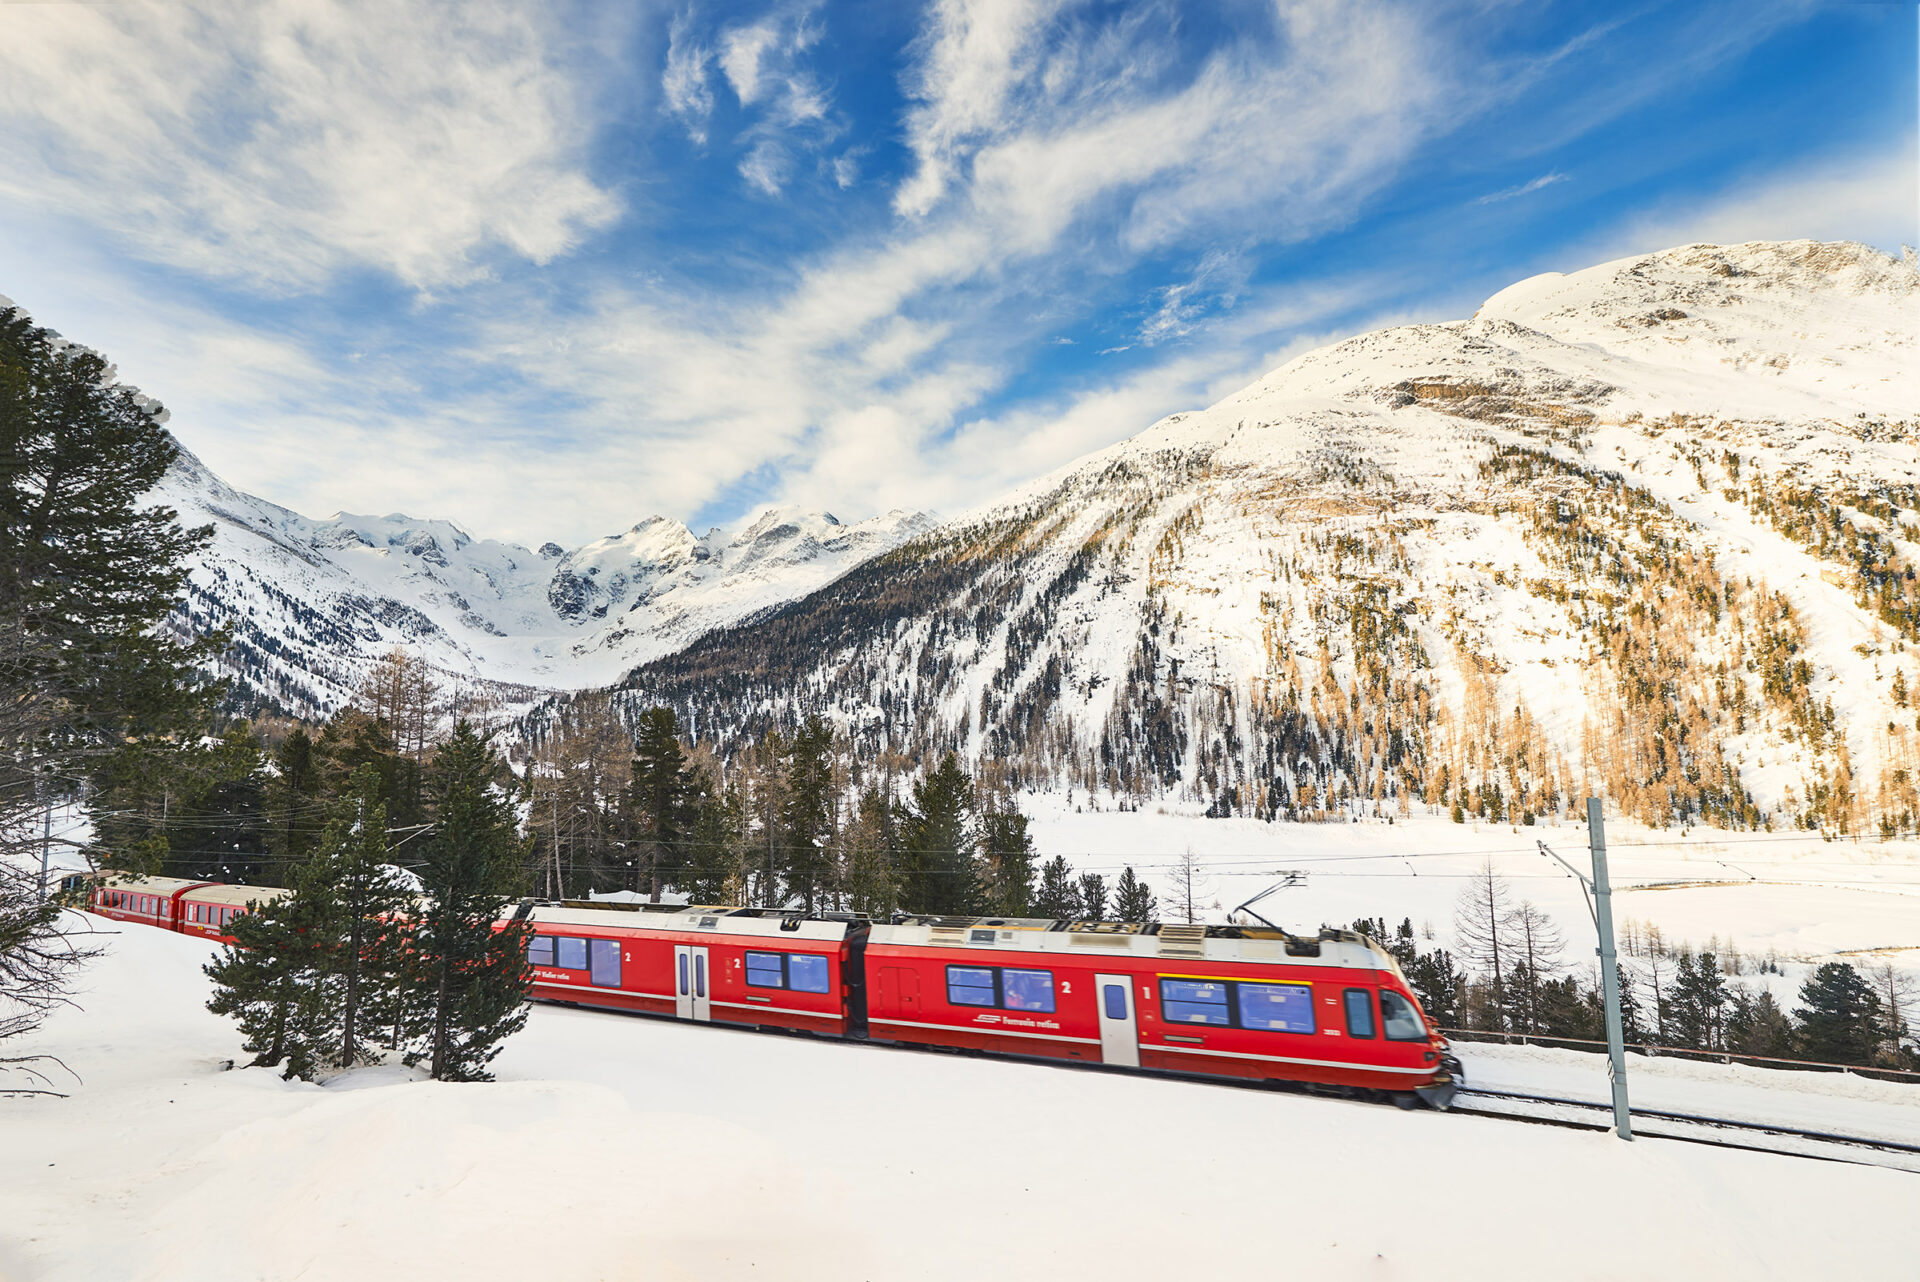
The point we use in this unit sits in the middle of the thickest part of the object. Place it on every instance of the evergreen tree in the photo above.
(268, 979)
(1093, 896)
(1058, 896)
(1132, 901)
(712, 851)
(88, 567)
(1006, 849)
(1757, 1026)
(807, 813)
(1438, 983)
(657, 799)
(871, 887)
(294, 801)
(358, 925)
(352, 741)
(943, 875)
(1699, 1003)
(1839, 1016)
(473, 979)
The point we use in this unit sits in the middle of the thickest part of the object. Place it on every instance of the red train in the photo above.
(1226, 1001)
(200, 908)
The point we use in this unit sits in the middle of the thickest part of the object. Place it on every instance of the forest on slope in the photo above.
(1649, 530)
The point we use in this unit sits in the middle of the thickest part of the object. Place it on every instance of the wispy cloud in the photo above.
(279, 143)
(685, 86)
(1525, 188)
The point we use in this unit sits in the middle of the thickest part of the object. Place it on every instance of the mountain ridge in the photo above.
(1435, 561)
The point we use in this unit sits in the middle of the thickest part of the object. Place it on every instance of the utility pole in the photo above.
(1600, 908)
(1609, 969)
(46, 845)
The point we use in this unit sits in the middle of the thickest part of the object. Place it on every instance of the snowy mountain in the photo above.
(1648, 528)
(311, 603)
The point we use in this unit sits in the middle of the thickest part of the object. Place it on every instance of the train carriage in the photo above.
(1220, 1000)
(150, 901)
(1330, 1010)
(207, 911)
(724, 965)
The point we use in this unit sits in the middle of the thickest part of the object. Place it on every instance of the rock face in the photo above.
(311, 603)
(1649, 527)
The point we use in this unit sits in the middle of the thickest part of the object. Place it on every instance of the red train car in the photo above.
(206, 911)
(1225, 1001)
(726, 965)
(201, 908)
(151, 901)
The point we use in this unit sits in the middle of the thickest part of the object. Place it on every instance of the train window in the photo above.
(1359, 1012)
(764, 971)
(540, 950)
(1115, 998)
(1401, 1020)
(604, 955)
(1027, 990)
(971, 986)
(1193, 1001)
(807, 973)
(572, 952)
(1279, 1008)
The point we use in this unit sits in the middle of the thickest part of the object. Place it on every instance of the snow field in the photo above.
(1800, 897)
(618, 1148)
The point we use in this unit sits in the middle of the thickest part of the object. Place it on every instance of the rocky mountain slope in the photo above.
(310, 604)
(1649, 528)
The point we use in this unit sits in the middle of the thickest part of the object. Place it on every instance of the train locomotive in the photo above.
(1331, 1010)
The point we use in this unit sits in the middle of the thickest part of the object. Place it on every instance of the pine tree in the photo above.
(657, 799)
(713, 854)
(1698, 1004)
(1839, 1016)
(1007, 851)
(359, 918)
(1093, 896)
(472, 977)
(938, 840)
(1058, 896)
(268, 979)
(294, 799)
(88, 567)
(807, 813)
(1759, 1027)
(1132, 901)
(871, 888)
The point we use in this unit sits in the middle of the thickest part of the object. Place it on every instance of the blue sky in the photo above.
(549, 269)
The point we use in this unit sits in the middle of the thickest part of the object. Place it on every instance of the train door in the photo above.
(1119, 1035)
(900, 990)
(692, 998)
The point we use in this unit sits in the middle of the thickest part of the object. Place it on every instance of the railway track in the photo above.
(1693, 1128)
(1716, 1132)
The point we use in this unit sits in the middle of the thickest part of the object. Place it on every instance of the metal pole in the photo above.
(46, 844)
(1609, 970)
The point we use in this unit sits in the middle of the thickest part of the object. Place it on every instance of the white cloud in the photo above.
(766, 166)
(283, 141)
(1872, 197)
(973, 56)
(684, 84)
(742, 50)
(1523, 189)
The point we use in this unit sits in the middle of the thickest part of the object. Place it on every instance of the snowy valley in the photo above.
(311, 604)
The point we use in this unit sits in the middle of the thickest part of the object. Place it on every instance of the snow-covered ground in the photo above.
(1795, 896)
(618, 1148)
